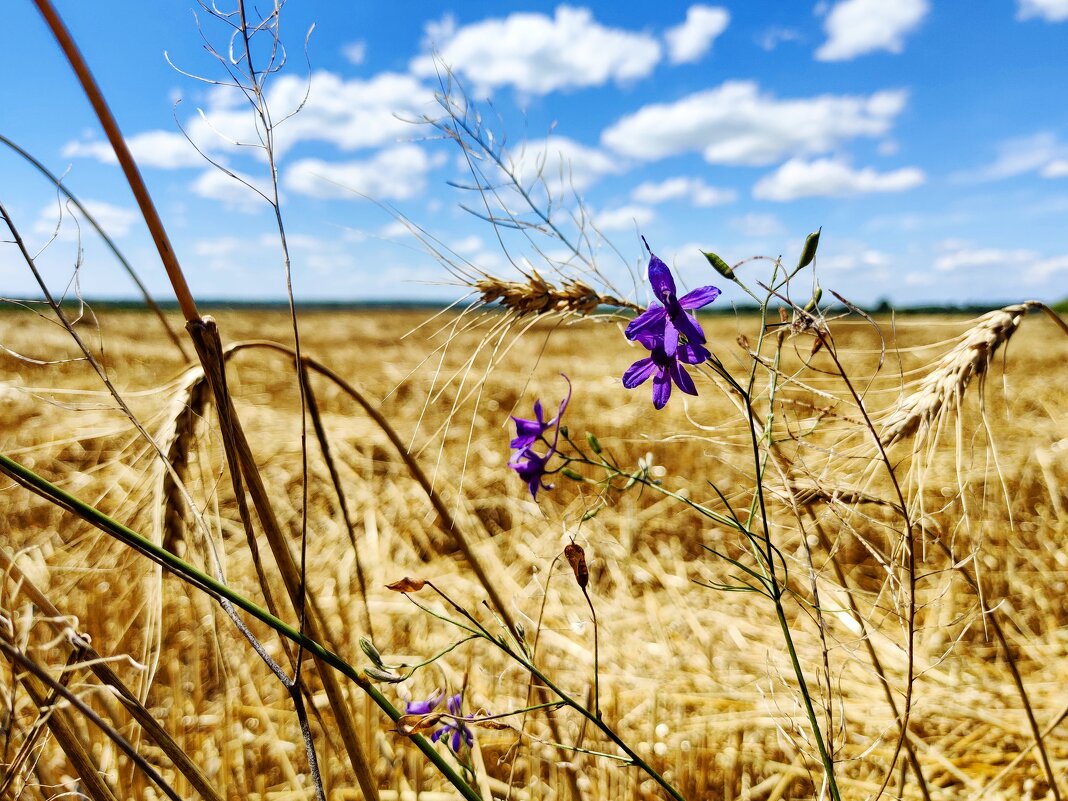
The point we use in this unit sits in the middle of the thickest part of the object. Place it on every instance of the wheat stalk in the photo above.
(943, 388)
(538, 296)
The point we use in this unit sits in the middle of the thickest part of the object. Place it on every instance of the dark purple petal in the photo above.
(424, 707)
(671, 337)
(651, 340)
(639, 372)
(693, 354)
(699, 297)
(661, 279)
(661, 389)
(652, 319)
(689, 327)
(682, 378)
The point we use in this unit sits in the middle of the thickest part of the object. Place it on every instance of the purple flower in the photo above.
(528, 463)
(461, 734)
(670, 319)
(664, 368)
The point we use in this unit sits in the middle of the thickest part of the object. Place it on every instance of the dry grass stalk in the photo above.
(943, 388)
(538, 296)
(176, 441)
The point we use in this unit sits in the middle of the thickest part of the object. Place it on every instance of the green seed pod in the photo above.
(383, 675)
(595, 446)
(808, 253)
(569, 473)
(368, 648)
(719, 265)
(812, 304)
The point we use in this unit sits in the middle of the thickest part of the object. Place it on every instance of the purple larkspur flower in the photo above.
(461, 734)
(665, 369)
(528, 463)
(670, 319)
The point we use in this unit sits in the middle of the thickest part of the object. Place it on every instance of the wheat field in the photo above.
(695, 678)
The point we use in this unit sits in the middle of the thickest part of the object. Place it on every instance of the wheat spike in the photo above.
(943, 388)
(538, 296)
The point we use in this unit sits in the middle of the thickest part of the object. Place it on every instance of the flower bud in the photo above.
(594, 444)
(719, 265)
(808, 253)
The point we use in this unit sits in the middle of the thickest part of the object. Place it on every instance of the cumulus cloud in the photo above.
(115, 220)
(562, 163)
(163, 149)
(1049, 10)
(624, 218)
(349, 114)
(694, 190)
(831, 177)
(240, 193)
(1055, 169)
(689, 41)
(856, 27)
(397, 173)
(963, 257)
(1042, 152)
(355, 52)
(757, 225)
(736, 123)
(538, 54)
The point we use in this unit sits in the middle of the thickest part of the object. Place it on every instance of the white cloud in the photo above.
(851, 255)
(757, 225)
(562, 163)
(355, 52)
(538, 54)
(1055, 169)
(1049, 10)
(397, 173)
(831, 177)
(735, 123)
(625, 218)
(1041, 152)
(774, 36)
(689, 41)
(349, 114)
(215, 184)
(693, 189)
(115, 220)
(963, 257)
(150, 149)
(856, 27)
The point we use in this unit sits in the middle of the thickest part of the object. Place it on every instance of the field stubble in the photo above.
(696, 678)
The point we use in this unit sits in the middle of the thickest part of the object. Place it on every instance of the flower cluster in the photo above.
(672, 336)
(454, 725)
(528, 463)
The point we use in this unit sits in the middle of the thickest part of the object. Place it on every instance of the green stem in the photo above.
(217, 589)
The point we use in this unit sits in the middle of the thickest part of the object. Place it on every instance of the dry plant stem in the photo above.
(217, 590)
(339, 493)
(14, 767)
(991, 614)
(449, 524)
(910, 549)
(156, 733)
(149, 300)
(68, 739)
(243, 471)
(122, 152)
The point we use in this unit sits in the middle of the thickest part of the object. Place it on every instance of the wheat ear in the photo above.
(538, 296)
(943, 388)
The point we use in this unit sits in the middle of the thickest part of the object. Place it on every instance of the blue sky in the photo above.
(929, 139)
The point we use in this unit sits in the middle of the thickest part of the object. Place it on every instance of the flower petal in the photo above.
(639, 372)
(650, 319)
(661, 279)
(682, 378)
(693, 354)
(689, 327)
(699, 297)
(661, 389)
(671, 338)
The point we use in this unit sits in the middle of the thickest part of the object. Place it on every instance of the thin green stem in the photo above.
(169, 561)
